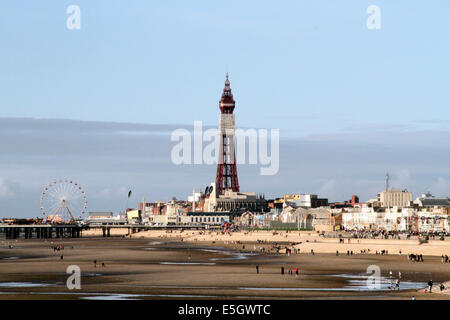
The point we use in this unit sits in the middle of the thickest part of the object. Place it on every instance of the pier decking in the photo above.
(47, 231)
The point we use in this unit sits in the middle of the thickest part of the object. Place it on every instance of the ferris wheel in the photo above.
(63, 200)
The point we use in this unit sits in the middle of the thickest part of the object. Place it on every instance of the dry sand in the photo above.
(309, 240)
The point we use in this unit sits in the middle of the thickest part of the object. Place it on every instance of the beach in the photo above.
(306, 240)
(210, 265)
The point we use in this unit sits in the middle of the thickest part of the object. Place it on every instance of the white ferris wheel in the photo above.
(63, 201)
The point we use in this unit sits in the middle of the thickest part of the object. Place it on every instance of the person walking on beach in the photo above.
(397, 285)
(390, 281)
(62, 257)
(282, 270)
(257, 269)
(296, 272)
(95, 263)
(430, 285)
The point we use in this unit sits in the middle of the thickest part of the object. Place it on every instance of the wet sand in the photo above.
(156, 268)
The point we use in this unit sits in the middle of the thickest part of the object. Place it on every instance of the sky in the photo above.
(98, 104)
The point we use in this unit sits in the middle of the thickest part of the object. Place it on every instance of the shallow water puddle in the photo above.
(23, 285)
(137, 296)
(235, 255)
(355, 283)
(189, 263)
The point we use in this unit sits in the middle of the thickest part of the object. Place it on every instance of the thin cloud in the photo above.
(7, 188)
(107, 162)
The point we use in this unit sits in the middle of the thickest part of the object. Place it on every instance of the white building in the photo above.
(397, 219)
(433, 220)
(105, 218)
(361, 218)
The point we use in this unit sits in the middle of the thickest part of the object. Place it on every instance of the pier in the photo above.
(133, 228)
(40, 231)
(32, 231)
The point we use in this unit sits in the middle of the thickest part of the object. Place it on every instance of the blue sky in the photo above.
(293, 64)
(310, 68)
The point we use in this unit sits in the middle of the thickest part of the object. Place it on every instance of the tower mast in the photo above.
(226, 178)
(387, 181)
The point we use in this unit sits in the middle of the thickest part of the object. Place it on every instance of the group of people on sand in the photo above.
(415, 257)
(95, 264)
(290, 271)
(430, 287)
(395, 286)
(289, 251)
(349, 252)
(58, 248)
(444, 259)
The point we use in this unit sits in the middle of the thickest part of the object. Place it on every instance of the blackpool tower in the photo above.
(226, 178)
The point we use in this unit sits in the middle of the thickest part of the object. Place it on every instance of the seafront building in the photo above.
(233, 201)
(394, 198)
(105, 218)
(302, 200)
(416, 219)
(427, 200)
(425, 214)
(296, 211)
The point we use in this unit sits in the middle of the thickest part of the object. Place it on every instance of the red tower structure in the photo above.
(226, 178)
